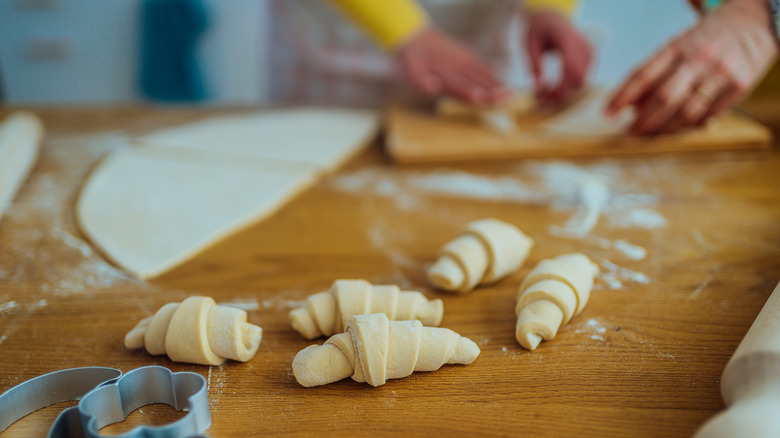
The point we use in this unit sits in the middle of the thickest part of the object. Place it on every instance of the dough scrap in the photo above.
(586, 118)
(500, 118)
(553, 292)
(198, 331)
(486, 251)
(327, 313)
(21, 134)
(375, 349)
(160, 201)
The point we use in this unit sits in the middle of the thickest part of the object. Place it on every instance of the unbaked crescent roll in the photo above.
(375, 349)
(486, 251)
(198, 331)
(326, 313)
(553, 292)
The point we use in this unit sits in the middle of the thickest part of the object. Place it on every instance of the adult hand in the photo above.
(702, 71)
(549, 31)
(436, 64)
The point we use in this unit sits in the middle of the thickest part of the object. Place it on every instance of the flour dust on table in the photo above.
(39, 235)
(599, 195)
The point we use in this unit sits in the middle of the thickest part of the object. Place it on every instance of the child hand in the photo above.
(702, 71)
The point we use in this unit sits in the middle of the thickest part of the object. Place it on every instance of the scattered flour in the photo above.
(631, 251)
(217, 387)
(42, 224)
(615, 275)
(378, 233)
(638, 218)
(634, 252)
(248, 304)
(58, 232)
(278, 303)
(39, 304)
(591, 193)
(8, 306)
(594, 329)
(701, 287)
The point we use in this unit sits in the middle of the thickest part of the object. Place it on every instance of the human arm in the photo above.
(702, 71)
(433, 62)
(551, 31)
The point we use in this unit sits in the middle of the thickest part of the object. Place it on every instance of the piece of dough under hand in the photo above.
(487, 251)
(375, 349)
(555, 291)
(198, 331)
(326, 313)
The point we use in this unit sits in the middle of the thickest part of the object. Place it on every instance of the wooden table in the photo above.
(643, 359)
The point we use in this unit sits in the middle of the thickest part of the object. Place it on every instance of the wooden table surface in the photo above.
(689, 247)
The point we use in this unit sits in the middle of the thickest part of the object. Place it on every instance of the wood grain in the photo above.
(653, 370)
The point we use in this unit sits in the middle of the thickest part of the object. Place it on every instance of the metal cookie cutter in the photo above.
(114, 398)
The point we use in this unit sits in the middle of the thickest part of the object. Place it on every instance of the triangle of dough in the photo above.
(157, 203)
(323, 138)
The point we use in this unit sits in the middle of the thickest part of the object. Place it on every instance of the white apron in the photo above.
(317, 56)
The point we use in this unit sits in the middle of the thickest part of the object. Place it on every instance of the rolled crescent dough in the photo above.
(486, 251)
(164, 198)
(197, 330)
(20, 138)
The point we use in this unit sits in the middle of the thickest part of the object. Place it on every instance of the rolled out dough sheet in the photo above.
(586, 118)
(168, 195)
(323, 138)
(20, 139)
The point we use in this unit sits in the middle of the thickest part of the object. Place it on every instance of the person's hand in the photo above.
(702, 71)
(436, 64)
(549, 31)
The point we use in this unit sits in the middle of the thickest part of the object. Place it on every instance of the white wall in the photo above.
(97, 50)
(95, 46)
(627, 32)
(234, 50)
(93, 50)
(623, 34)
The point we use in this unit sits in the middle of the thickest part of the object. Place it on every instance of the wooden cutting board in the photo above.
(416, 135)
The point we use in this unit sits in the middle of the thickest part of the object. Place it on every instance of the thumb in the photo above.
(535, 51)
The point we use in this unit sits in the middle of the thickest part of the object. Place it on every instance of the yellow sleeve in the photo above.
(565, 6)
(389, 22)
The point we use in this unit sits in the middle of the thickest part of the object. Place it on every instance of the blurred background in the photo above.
(98, 52)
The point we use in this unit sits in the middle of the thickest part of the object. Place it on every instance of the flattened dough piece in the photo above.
(20, 139)
(152, 206)
(149, 211)
(320, 137)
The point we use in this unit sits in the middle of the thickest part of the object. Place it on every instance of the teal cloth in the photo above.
(170, 70)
